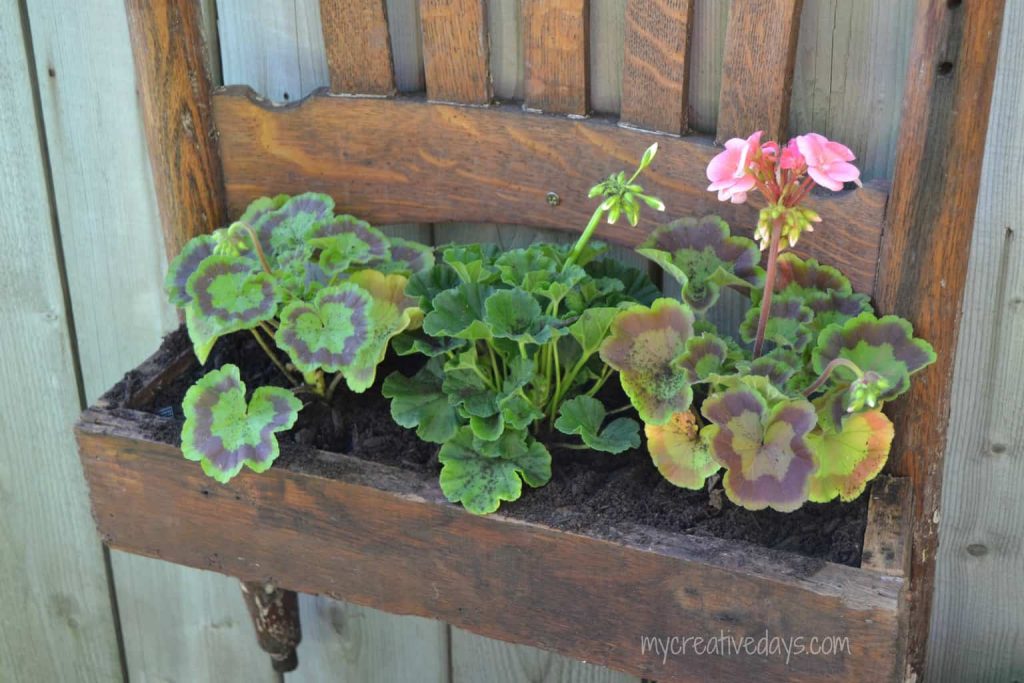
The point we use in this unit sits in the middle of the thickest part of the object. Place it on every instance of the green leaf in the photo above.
(419, 401)
(459, 312)
(679, 453)
(516, 315)
(480, 476)
(592, 328)
(762, 446)
(427, 285)
(584, 416)
(472, 262)
(391, 313)
(227, 295)
(636, 284)
(847, 461)
(468, 387)
(222, 432)
(338, 253)
(642, 346)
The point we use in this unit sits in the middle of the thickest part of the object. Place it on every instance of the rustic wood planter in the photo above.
(385, 537)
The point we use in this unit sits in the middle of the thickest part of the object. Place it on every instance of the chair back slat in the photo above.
(757, 68)
(358, 46)
(655, 69)
(456, 51)
(555, 56)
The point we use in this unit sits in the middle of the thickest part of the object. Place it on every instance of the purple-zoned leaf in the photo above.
(679, 453)
(702, 256)
(763, 448)
(329, 332)
(788, 323)
(835, 308)
(391, 313)
(258, 210)
(408, 257)
(380, 247)
(847, 461)
(227, 296)
(284, 230)
(796, 275)
(642, 345)
(224, 433)
(183, 265)
(884, 346)
(778, 365)
(704, 356)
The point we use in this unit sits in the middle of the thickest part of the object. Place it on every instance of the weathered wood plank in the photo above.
(555, 52)
(506, 48)
(927, 242)
(269, 150)
(174, 93)
(710, 24)
(757, 70)
(440, 561)
(289, 58)
(406, 44)
(476, 659)
(456, 54)
(358, 46)
(364, 645)
(57, 621)
(655, 79)
(886, 540)
(977, 630)
(606, 44)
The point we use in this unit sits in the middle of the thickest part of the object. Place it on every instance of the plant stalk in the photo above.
(769, 286)
(273, 358)
(827, 372)
(588, 232)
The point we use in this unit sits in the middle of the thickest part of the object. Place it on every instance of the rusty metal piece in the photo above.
(275, 614)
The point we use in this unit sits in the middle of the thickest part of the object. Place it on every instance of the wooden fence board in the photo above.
(456, 54)
(977, 624)
(555, 52)
(655, 77)
(57, 621)
(358, 46)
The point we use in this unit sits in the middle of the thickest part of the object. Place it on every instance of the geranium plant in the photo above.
(792, 407)
(322, 294)
(512, 342)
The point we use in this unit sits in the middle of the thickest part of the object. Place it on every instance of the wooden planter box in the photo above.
(385, 537)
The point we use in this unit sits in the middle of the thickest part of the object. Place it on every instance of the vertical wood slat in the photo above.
(757, 70)
(358, 45)
(656, 67)
(926, 245)
(174, 93)
(456, 54)
(556, 36)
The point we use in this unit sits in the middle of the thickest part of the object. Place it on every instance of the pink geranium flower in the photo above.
(827, 161)
(729, 172)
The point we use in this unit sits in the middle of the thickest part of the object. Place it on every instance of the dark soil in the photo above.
(588, 492)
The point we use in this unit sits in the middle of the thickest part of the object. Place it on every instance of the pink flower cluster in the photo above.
(784, 175)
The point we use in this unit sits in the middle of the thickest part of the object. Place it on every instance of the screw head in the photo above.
(553, 199)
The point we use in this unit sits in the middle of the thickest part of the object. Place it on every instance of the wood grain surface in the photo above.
(494, 165)
(456, 55)
(757, 70)
(358, 46)
(555, 52)
(656, 69)
(923, 264)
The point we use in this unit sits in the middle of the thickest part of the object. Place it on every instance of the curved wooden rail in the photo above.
(406, 160)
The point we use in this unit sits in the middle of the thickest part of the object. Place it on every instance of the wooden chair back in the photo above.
(452, 155)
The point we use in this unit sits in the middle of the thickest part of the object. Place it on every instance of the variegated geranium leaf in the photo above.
(391, 313)
(336, 254)
(223, 432)
(849, 459)
(642, 346)
(789, 323)
(420, 402)
(835, 308)
(407, 257)
(283, 230)
(679, 453)
(702, 257)
(258, 210)
(183, 265)
(379, 247)
(778, 366)
(704, 356)
(329, 332)
(584, 416)
(480, 474)
(227, 295)
(804, 278)
(885, 347)
(762, 446)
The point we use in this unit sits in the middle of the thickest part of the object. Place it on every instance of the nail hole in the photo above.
(205, 492)
(286, 96)
(977, 550)
(945, 68)
(998, 448)
(52, 72)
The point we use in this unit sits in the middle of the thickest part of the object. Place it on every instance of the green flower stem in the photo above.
(273, 358)
(588, 232)
(605, 374)
(620, 409)
(564, 385)
(494, 366)
(769, 285)
(257, 246)
(832, 365)
(333, 386)
(571, 446)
